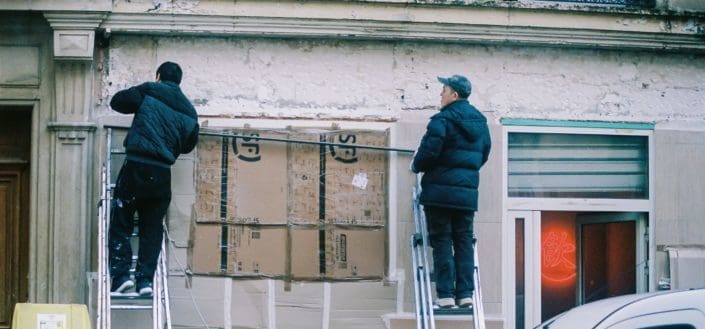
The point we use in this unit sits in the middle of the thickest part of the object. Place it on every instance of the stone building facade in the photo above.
(539, 69)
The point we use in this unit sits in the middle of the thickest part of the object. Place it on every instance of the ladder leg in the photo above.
(161, 313)
(157, 322)
(99, 293)
(477, 307)
(427, 281)
(103, 291)
(422, 280)
(165, 283)
(104, 297)
(417, 289)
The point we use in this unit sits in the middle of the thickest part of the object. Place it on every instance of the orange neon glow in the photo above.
(558, 253)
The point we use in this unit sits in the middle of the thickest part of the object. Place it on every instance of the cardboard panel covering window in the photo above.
(273, 208)
(238, 164)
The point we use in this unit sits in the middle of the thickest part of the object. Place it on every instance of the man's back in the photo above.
(454, 148)
(165, 123)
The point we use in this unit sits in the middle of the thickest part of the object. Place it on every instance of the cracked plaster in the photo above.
(231, 77)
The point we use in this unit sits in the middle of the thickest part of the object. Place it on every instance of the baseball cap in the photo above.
(459, 83)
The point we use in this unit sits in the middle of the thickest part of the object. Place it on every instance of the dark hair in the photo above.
(170, 71)
(461, 93)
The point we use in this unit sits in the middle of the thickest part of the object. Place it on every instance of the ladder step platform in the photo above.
(130, 296)
(453, 311)
(130, 301)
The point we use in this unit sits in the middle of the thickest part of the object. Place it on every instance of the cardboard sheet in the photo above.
(291, 210)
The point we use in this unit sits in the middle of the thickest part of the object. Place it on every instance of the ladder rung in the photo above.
(131, 307)
(129, 296)
(453, 311)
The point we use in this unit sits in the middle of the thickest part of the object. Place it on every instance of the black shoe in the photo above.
(121, 284)
(144, 288)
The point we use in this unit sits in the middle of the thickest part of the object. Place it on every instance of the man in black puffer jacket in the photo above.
(165, 125)
(454, 148)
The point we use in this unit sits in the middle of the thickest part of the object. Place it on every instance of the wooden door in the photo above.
(15, 141)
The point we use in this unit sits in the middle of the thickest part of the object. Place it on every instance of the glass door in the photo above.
(612, 261)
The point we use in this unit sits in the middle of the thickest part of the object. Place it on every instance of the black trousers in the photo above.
(144, 189)
(450, 232)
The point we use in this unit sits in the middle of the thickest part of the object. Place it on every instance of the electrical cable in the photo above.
(183, 270)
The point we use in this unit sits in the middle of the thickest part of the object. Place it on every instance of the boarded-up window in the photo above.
(268, 205)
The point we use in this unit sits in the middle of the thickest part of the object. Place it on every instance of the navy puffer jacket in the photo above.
(454, 148)
(165, 123)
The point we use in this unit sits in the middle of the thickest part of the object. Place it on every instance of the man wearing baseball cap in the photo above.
(452, 151)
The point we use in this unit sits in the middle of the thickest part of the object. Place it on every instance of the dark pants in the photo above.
(146, 190)
(450, 233)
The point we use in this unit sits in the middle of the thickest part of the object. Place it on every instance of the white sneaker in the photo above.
(122, 287)
(146, 292)
(444, 303)
(144, 288)
(465, 302)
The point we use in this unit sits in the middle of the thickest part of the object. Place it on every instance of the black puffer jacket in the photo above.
(455, 146)
(165, 123)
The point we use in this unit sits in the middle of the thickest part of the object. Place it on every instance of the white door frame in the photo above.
(532, 207)
(532, 267)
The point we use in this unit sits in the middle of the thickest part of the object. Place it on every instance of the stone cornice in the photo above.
(523, 28)
(72, 20)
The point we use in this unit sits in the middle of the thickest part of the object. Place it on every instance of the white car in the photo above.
(684, 309)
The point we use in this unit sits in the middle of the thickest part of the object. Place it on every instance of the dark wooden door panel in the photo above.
(15, 145)
(9, 230)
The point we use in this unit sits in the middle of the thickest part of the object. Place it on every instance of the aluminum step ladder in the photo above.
(425, 313)
(161, 314)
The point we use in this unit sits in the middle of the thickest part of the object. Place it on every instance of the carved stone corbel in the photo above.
(74, 34)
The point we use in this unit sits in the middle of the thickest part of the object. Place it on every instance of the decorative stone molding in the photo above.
(72, 132)
(503, 26)
(74, 34)
(73, 83)
(70, 214)
(73, 44)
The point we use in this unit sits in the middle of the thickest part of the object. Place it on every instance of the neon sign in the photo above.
(558, 255)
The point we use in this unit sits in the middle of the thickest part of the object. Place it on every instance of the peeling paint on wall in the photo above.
(240, 77)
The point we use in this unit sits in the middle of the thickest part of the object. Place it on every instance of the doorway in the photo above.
(15, 145)
(566, 258)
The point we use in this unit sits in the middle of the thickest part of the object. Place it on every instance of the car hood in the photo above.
(605, 312)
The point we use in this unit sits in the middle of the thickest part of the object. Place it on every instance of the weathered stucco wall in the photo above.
(394, 83)
(327, 79)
